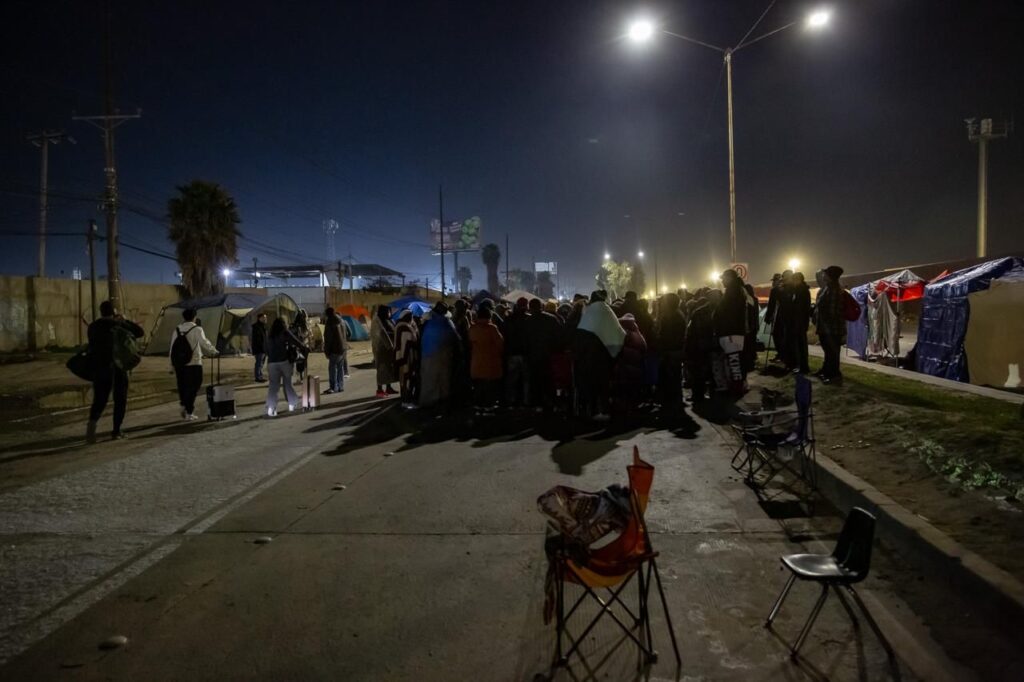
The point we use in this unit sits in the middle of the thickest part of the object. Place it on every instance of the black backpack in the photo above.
(181, 350)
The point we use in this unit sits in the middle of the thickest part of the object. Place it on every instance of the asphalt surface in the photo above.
(363, 542)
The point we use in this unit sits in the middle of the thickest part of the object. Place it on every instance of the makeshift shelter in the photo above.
(946, 315)
(359, 312)
(517, 294)
(416, 305)
(994, 342)
(226, 318)
(857, 331)
(877, 331)
(356, 330)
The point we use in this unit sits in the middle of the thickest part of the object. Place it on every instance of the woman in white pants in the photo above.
(280, 343)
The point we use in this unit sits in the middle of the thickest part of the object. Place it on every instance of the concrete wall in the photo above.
(40, 312)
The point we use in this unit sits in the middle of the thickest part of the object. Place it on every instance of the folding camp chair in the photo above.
(848, 564)
(612, 568)
(783, 441)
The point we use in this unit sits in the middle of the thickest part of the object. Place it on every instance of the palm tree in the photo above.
(204, 229)
(491, 256)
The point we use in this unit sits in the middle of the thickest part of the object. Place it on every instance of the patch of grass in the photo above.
(971, 441)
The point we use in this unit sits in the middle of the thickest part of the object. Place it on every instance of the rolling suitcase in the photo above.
(311, 393)
(220, 399)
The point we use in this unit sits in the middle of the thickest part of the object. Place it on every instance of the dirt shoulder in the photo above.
(954, 459)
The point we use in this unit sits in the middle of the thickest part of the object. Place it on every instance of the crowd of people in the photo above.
(589, 357)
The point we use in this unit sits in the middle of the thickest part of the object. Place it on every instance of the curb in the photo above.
(987, 585)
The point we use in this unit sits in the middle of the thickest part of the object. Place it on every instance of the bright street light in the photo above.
(641, 31)
(607, 256)
(639, 254)
(682, 285)
(226, 273)
(715, 275)
(793, 263)
(664, 289)
(818, 18)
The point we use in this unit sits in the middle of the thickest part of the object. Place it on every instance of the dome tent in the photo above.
(227, 320)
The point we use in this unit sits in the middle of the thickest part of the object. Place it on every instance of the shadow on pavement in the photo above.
(577, 442)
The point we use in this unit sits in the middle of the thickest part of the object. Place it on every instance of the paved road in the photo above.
(426, 565)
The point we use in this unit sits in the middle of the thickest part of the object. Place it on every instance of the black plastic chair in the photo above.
(848, 564)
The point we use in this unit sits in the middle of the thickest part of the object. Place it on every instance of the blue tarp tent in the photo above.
(417, 306)
(857, 332)
(946, 313)
(356, 331)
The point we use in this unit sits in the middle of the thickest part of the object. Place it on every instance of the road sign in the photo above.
(740, 269)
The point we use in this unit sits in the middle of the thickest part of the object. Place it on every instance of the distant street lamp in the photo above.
(793, 264)
(715, 275)
(642, 31)
(226, 272)
(640, 254)
(607, 256)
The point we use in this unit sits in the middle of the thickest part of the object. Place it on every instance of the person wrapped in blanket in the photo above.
(407, 358)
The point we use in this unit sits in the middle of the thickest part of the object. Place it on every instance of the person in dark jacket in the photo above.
(258, 344)
(671, 346)
(107, 376)
(731, 328)
(462, 386)
(798, 319)
(700, 342)
(279, 366)
(335, 348)
(830, 323)
(517, 383)
(645, 323)
(543, 339)
(749, 356)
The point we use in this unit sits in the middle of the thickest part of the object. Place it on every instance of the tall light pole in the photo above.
(981, 132)
(642, 31)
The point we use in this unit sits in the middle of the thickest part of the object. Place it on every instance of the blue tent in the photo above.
(857, 332)
(356, 331)
(946, 313)
(417, 306)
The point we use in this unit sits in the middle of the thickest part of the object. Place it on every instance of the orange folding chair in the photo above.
(611, 568)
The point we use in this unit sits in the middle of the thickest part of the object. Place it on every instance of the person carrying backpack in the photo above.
(188, 345)
(111, 355)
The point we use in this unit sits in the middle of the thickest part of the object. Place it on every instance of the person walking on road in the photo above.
(258, 344)
(279, 342)
(830, 323)
(107, 376)
(336, 349)
(382, 339)
(188, 363)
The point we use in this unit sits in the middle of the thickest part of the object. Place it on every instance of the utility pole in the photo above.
(440, 224)
(255, 274)
(90, 239)
(43, 140)
(732, 162)
(981, 132)
(506, 262)
(107, 122)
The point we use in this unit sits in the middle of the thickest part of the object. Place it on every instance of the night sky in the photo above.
(537, 116)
